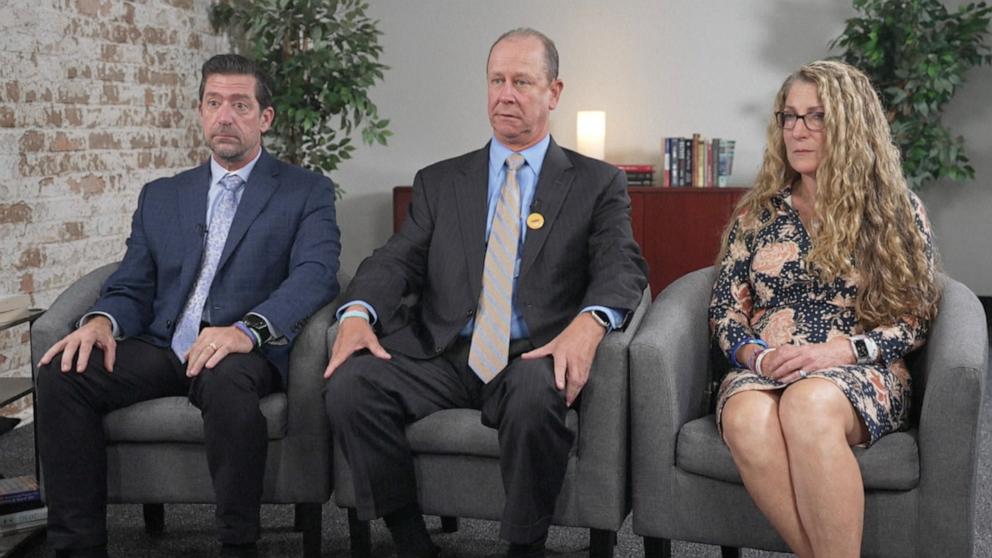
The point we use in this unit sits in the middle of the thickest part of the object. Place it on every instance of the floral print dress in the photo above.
(766, 290)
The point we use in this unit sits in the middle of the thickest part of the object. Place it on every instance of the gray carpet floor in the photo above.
(189, 528)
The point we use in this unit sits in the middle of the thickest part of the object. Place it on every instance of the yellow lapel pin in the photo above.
(535, 221)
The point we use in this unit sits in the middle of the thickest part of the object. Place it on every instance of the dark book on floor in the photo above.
(16, 490)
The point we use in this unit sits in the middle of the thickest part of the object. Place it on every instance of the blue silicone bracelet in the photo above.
(733, 352)
(243, 328)
(355, 314)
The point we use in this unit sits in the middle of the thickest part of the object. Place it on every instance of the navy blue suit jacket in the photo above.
(280, 259)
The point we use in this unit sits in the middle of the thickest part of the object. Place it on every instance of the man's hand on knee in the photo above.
(354, 334)
(96, 332)
(212, 345)
(573, 351)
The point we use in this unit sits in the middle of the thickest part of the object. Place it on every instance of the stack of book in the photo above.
(697, 161)
(13, 307)
(21, 508)
(638, 175)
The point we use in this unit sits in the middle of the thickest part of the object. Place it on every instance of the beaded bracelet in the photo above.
(761, 357)
(752, 362)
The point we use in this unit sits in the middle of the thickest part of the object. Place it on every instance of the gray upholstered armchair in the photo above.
(154, 448)
(920, 484)
(457, 458)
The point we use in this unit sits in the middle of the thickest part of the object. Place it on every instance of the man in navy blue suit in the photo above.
(224, 265)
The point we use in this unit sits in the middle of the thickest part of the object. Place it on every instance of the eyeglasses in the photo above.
(812, 120)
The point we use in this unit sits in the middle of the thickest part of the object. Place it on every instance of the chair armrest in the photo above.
(668, 380)
(61, 317)
(306, 365)
(955, 368)
(603, 408)
(331, 333)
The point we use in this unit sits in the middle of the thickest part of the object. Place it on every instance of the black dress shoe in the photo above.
(249, 550)
(89, 552)
(535, 550)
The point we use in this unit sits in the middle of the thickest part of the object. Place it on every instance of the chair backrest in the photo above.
(953, 315)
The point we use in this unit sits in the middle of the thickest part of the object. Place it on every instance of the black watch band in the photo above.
(601, 318)
(258, 325)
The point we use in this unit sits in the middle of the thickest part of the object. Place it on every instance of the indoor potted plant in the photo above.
(917, 53)
(322, 57)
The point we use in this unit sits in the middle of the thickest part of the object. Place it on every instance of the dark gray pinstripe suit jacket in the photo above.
(584, 254)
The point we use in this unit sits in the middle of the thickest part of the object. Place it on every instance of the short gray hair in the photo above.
(550, 50)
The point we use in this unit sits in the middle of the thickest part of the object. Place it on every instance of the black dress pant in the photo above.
(369, 402)
(70, 410)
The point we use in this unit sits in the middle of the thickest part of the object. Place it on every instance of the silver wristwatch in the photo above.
(865, 349)
(601, 318)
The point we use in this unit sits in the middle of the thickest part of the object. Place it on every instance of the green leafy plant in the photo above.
(917, 53)
(322, 57)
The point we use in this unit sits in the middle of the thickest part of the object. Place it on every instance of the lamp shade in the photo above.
(590, 132)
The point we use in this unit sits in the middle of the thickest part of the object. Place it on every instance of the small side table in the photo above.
(12, 389)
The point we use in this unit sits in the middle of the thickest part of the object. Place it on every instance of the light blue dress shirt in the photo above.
(217, 172)
(527, 177)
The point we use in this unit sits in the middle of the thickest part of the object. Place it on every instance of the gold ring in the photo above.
(212, 345)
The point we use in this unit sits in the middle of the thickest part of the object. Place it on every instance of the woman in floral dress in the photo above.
(827, 279)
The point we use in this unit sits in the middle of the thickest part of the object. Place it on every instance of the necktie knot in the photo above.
(231, 182)
(515, 161)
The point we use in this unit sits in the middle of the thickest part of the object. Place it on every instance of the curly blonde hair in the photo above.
(863, 207)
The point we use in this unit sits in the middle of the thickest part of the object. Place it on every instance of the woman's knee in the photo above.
(816, 412)
(750, 423)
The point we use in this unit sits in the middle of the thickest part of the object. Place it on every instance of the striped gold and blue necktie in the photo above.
(491, 336)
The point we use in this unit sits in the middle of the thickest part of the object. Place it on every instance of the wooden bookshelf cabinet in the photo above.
(678, 229)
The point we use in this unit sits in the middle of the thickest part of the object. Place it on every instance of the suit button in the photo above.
(470, 311)
(168, 324)
(438, 349)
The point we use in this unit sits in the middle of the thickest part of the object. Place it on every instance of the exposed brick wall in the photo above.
(96, 98)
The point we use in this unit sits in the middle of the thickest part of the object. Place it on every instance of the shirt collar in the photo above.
(534, 155)
(217, 172)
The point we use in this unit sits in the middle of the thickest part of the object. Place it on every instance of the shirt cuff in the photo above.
(275, 336)
(116, 330)
(615, 316)
(373, 318)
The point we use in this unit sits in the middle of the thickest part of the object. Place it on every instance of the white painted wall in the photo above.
(658, 68)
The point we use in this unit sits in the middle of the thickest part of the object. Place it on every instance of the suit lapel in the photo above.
(262, 183)
(472, 193)
(192, 208)
(552, 187)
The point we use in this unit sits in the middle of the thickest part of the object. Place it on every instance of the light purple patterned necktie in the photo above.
(188, 327)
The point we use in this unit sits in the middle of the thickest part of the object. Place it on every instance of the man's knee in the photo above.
(350, 387)
(234, 381)
(528, 398)
(51, 384)
(531, 383)
(49, 379)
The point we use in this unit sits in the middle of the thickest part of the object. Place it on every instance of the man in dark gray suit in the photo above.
(522, 258)
(224, 264)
